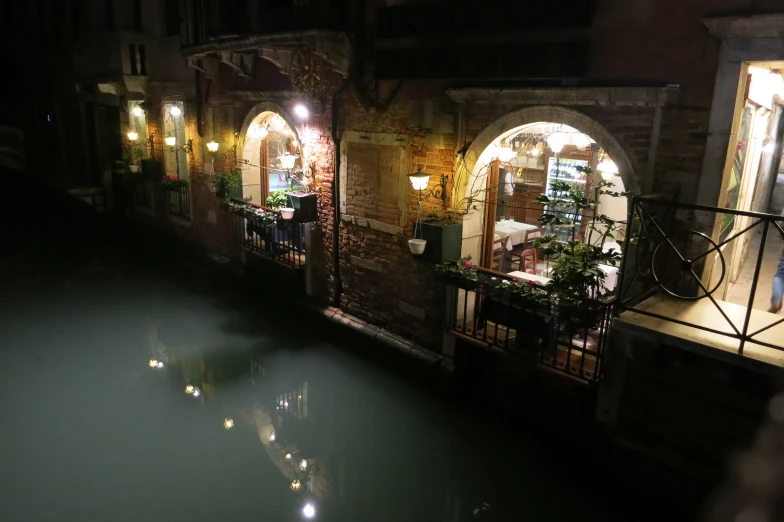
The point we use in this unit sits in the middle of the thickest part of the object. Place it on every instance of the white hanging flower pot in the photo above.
(287, 213)
(417, 246)
(134, 168)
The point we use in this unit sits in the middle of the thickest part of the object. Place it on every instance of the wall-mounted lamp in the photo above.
(137, 111)
(556, 141)
(133, 136)
(607, 168)
(287, 160)
(420, 180)
(212, 146)
(175, 111)
(171, 141)
(301, 111)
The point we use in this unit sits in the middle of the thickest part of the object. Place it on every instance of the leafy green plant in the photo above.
(229, 182)
(528, 291)
(278, 199)
(137, 154)
(435, 219)
(460, 268)
(121, 167)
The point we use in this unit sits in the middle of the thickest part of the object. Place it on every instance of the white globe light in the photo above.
(171, 141)
(608, 168)
(277, 123)
(301, 111)
(505, 154)
(175, 111)
(303, 464)
(534, 153)
(133, 136)
(309, 511)
(137, 111)
(258, 132)
(556, 141)
(581, 141)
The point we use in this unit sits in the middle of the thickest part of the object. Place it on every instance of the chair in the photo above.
(531, 235)
(499, 250)
(527, 260)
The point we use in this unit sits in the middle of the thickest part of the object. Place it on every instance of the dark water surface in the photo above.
(91, 432)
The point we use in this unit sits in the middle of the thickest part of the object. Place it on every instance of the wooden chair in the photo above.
(526, 261)
(531, 235)
(499, 250)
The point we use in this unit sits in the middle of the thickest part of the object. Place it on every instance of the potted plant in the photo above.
(228, 184)
(443, 235)
(461, 272)
(174, 183)
(278, 199)
(137, 155)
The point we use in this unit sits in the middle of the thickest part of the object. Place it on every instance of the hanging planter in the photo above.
(417, 246)
(287, 213)
(134, 168)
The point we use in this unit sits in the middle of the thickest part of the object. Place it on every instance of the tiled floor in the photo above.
(739, 292)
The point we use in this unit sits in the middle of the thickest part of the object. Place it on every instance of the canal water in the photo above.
(133, 392)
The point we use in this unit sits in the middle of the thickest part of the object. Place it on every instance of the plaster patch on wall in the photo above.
(413, 310)
(372, 224)
(367, 264)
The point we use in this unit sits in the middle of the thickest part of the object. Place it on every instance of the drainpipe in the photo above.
(199, 105)
(336, 196)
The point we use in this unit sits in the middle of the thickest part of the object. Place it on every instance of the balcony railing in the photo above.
(264, 232)
(179, 202)
(142, 194)
(570, 340)
(681, 279)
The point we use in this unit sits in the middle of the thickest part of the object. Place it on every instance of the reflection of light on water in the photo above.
(196, 392)
(296, 485)
(153, 363)
(189, 389)
(309, 510)
(272, 437)
(286, 404)
(228, 423)
(303, 464)
(288, 456)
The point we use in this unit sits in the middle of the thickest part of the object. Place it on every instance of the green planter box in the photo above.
(444, 242)
(304, 205)
(220, 192)
(152, 170)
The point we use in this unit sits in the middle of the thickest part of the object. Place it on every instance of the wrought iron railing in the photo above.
(264, 232)
(571, 340)
(179, 202)
(678, 274)
(142, 193)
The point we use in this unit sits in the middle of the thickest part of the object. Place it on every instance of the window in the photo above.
(172, 17)
(175, 159)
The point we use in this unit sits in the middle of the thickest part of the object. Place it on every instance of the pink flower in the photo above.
(517, 279)
(532, 284)
(468, 264)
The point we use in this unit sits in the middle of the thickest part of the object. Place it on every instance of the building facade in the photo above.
(341, 101)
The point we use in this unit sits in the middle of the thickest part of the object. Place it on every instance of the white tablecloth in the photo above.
(513, 230)
(530, 277)
(610, 280)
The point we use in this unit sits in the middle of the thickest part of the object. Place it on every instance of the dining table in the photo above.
(514, 230)
(610, 276)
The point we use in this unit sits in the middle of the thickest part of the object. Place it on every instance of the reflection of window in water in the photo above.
(295, 402)
(257, 367)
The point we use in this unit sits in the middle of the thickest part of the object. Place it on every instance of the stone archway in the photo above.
(472, 166)
(554, 114)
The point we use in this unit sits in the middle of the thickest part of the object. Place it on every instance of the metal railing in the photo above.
(264, 232)
(142, 193)
(179, 202)
(571, 340)
(677, 270)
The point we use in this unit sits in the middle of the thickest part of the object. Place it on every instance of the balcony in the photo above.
(111, 57)
(178, 200)
(568, 341)
(264, 232)
(705, 292)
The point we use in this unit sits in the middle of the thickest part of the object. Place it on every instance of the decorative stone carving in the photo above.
(242, 63)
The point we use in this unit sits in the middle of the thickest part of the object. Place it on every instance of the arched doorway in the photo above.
(269, 153)
(516, 159)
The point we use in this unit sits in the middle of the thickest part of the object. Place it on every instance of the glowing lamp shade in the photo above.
(153, 363)
(212, 146)
(189, 389)
(608, 168)
(175, 111)
(296, 485)
(137, 111)
(228, 423)
(257, 132)
(171, 141)
(419, 179)
(133, 136)
(277, 123)
(534, 153)
(309, 511)
(581, 141)
(506, 154)
(301, 111)
(303, 465)
(556, 141)
(287, 161)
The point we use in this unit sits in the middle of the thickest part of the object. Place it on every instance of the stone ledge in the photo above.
(372, 224)
(367, 264)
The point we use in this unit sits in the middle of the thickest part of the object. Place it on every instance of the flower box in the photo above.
(444, 242)
(305, 207)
